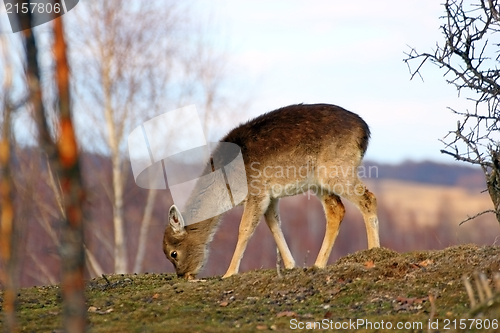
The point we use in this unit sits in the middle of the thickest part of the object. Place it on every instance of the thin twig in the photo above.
(106, 279)
(477, 215)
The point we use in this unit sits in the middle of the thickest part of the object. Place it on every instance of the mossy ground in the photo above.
(375, 285)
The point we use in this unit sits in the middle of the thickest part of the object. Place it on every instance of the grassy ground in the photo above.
(375, 285)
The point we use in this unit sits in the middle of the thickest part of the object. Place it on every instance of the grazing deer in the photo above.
(286, 152)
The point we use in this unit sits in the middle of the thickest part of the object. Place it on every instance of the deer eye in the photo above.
(173, 254)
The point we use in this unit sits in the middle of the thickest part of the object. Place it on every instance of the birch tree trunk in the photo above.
(120, 248)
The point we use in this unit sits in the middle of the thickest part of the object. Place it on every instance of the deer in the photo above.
(288, 151)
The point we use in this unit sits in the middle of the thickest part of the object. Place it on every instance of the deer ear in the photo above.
(175, 220)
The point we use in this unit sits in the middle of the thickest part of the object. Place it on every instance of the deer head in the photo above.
(185, 246)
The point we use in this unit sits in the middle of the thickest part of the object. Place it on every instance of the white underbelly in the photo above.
(280, 190)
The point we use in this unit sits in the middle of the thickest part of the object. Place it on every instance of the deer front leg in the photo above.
(249, 221)
(274, 224)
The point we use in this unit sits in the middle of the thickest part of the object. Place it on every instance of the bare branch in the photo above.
(466, 55)
(477, 215)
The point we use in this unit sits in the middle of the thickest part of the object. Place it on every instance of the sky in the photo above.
(349, 54)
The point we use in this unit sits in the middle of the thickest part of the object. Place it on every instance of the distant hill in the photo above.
(431, 173)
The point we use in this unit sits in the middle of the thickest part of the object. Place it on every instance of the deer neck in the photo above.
(204, 231)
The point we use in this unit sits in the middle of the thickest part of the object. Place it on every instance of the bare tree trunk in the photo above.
(8, 225)
(493, 184)
(120, 253)
(63, 158)
(72, 251)
(143, 234)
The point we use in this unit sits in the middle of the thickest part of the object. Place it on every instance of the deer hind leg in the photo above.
(367, 204)
(274, 224)
(251, 216)
(334, 212)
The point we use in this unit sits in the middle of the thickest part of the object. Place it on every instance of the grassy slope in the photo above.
(377, 284)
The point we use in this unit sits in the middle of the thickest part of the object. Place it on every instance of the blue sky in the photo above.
(283, 52)
(349, 54)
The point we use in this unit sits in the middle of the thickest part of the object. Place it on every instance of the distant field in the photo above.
(426, 202)
(431, 214)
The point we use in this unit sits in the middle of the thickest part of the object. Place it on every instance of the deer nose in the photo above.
(187, 276)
